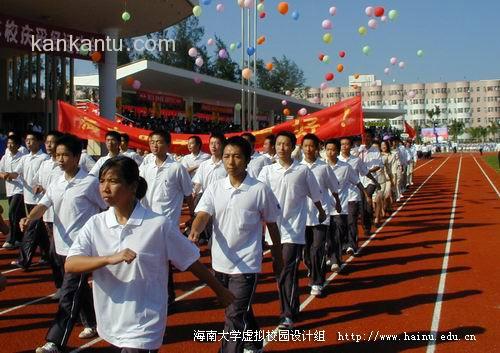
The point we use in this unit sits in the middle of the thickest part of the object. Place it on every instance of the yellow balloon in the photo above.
(327, 38)
(362, 30)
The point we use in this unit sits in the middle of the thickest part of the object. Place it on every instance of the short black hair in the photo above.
(164, 134)
(55, 133)
(114, 134)
(128, 170)
(16, 139)
(242, 144)
(218, 136)
(272, 139)
(125, 137)
(288, 134)
(38, 135)
(72, 143)
(313, 138)
(197, 140)
(251, 137)
(349, 138)
(333, 141)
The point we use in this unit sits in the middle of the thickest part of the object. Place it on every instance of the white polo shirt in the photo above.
(74, 202)
(257, 162)
(347, 178)
(9, 164)
(48, 172)
(86, 162)
(134, 155)
(371, 158)
(237, 228)
(327, 182)
(167, 186)
(271, 158)
(149, 158)
(97, 167)
(131, 299)
(402, 156)
(208, 172)
(28, 167)
(191, 160)
(360, 168)
(291, 187)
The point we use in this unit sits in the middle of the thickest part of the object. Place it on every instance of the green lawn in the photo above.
(492, 160)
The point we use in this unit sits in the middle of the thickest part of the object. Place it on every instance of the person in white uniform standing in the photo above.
(125, 151)
(193, 160)
(113, 140)
(257, 161)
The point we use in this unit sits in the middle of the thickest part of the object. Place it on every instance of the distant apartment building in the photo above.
(475, 103)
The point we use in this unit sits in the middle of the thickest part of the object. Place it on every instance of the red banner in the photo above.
(342, 119)
(410, 131)
(159, 98)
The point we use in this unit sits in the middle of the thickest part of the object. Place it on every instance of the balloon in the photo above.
(393, 14)
(129, 80)
(193, 52)
(321, 56)
(248, 4)
(240, 3)
(323, 85)
(96, 56)
(327, 38)
(372, 23)
(250, 51)
(383, 18)
(223, 54)
(197, 11)
(136, 84)
(316, 100)
(332, 10)
(295, 15)
(284, 102)
(125, 16)
(340, 68)
(366, 50)
(386, 71)
(401, 64)
(326, 24)
(411, 94)
(232, 46)
(369, 11)
(237, 106)
(302, 111)
(246, 73)
(84, 50)
(342, 53)
(206, 2)
(329, 76)
(199, 61)
(286, 111)
(210, 41)
(260, 7)
(283, 8)
(238, 45)
(288, 93)
(219, 7)
(262, 15)
(197, 80)
(356, 76)
(393, 60)
(326, 59)
(420, 53)
(379, 11)
(261, 40)
(269, 66)
(362, 30)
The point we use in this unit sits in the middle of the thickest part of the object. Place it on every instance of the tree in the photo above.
(473, 132)
(456, 128)
(431, 113)
(126, 55)
(493, 129)
(483, 133)
(225, 69)
(285, 75)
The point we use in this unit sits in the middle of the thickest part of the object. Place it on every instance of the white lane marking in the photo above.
(487, 177)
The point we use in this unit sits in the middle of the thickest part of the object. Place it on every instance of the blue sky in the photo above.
(460, 38)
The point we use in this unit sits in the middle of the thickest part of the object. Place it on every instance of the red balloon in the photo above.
(379, 11)
(321, 56)
(329, 76)
(262, 15)
(341, 53)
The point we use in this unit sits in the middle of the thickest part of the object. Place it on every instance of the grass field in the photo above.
(492, 160)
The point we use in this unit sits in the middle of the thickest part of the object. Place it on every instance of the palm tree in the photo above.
(456, 128)
(493, 129)
(473, 132)
(483, 133)
(430, 113)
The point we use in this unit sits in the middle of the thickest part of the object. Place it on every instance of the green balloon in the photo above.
(327, 38)
(366, 50)
(125, 16)
(362, 30)
(197, 11)
(237, 106)
(326, 59)
(420, 53)
(393, 14)
(84, 50)
(260, 7)
(232, 46)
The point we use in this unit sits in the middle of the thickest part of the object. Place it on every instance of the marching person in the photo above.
(125, 151)
(291, 183)
(257, 161)
(113, 141)
(193, 160)
(86, 161)
(269, 149)
(128, 248)
(238, 205)
(389, 160)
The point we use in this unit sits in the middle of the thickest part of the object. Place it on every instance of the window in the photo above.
(478, 99)
(479, 110)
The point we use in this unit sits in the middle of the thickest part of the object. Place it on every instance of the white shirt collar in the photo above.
(244, 186)
(135, 219)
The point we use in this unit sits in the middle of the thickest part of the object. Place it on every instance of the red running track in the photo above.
(391, 289)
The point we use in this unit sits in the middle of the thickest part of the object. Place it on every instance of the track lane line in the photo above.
(486, 175)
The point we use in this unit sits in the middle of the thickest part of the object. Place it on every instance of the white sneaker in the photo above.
(88, 332)
(253, 350)
(328, 262)
(8, 245)
(349, 251)
(316, 290)
(335, 268)
(48, 347)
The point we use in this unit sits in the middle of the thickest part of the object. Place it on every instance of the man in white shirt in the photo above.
(193, 160)
(125, 151)
(411, 156)
(36, 234)
(75, 197)
(238, 205)
(348, 178)
(257, 161)
(86, 161)
(269, 150)
(291, 183)
(113, 140)
(14, 190)
(316, 232)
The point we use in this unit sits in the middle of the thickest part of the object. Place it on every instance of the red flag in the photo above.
(410, 131)
(342, 119)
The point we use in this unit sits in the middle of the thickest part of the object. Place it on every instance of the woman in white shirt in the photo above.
(389, 160)
(128, 248)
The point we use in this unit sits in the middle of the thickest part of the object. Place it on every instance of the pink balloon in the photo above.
(394, 60)
(332, 10)
(372, 23)
(219, 7)
(193, 52)
(223, 54)
(284, 102)
(210, 41)
(326, 24)
(323, 85)
(302, 111)
(248, 3)
(411, 94)
(199, 61)
(401, 64)
(383, 18)
(369, 11)
(386, 71)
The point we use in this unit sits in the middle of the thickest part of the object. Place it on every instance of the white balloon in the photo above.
(193, 52)
(323, 85)
(288, 93)
(394, 60)
(386, 71)
(210, 41)
(332, 10)
(383, 18)
(284, 102)
(199, 61)
(219, 7)
(302, 111)
(411, 94)
(369, 11)
(248, 3)
(372, 23)
(401, 64)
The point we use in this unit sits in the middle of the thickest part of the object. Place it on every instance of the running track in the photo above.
(430, 268)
